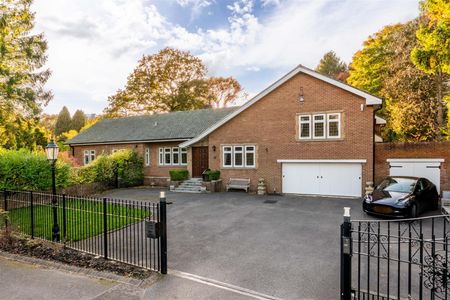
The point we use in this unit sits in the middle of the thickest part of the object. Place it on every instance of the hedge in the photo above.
(25, 170)
(127, 165)
(178, 174)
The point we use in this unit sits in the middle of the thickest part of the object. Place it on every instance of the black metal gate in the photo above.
(395, 259)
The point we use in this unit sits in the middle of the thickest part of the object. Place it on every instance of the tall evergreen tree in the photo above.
(331, 65)
(64, 121)
(78, 120)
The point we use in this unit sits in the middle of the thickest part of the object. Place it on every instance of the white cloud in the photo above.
(94, 45)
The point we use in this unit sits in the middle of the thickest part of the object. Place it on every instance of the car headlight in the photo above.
(403, 201)
(368, 198)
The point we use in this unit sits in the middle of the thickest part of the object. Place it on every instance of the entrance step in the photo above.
(193, 185)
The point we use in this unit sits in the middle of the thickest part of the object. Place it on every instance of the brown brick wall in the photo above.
(154, 170)
(384, 151)
(271, 125)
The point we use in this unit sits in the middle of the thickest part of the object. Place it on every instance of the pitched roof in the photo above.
(370, 99)
(177, 126)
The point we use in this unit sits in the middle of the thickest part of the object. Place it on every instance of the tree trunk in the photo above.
(440, 112)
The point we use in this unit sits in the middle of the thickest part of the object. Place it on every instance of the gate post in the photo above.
(163, 220)
(5, 204)
(346, 256)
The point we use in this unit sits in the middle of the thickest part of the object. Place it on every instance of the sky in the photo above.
(95, 45)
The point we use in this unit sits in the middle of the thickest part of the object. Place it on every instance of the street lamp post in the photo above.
(52, 151)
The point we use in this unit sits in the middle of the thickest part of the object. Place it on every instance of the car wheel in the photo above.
(413, 211)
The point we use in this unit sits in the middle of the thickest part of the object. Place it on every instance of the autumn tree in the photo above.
(22, 74)
(64, 121)
(368, 67)
(432, 53)
(78, 120)
(411, 108)
(331, 65)
(223, 91)
(171, 80)
(383, 68)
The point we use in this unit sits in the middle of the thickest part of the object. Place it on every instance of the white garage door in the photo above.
(337, 179)
(427, 168)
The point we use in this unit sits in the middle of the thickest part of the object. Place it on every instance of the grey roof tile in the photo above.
(166, 126)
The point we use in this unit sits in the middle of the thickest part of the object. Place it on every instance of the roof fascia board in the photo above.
(126, 142)
(370, 100)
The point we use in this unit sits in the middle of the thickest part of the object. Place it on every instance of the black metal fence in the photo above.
(133, 232)
(395, 259)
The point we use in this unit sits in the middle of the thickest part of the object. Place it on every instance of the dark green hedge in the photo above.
(179, 174)
(25, 170)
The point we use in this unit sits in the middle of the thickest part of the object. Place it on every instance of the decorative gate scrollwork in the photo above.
(396, 259)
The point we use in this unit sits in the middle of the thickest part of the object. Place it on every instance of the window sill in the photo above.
(320, 140)
(238, 168)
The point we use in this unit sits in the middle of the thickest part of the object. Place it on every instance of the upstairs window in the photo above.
(319, 126)
(334, 125)
(305, 127)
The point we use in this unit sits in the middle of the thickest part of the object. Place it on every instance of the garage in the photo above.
(427, 168)
(322, 177)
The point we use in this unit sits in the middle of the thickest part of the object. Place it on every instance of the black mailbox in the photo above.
(151, 229)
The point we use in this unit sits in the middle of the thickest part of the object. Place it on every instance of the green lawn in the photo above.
(84, 219)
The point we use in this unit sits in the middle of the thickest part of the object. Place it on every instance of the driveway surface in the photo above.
(288, 249)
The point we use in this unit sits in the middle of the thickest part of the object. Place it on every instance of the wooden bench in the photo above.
(239, 184)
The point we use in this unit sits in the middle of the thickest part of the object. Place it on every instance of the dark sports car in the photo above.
(402, 197)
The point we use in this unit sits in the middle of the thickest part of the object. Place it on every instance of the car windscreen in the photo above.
(400, 185)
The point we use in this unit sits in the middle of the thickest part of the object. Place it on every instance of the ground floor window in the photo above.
(238, 156)
(89, 156)
(147, 156)
(172, 156)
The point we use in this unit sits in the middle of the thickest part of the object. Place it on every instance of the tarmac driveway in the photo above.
(287, 249)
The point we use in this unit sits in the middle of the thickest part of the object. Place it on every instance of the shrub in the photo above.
(126, 164)
(178, 174)
(130, 167)
(25, 170)
(214, 175)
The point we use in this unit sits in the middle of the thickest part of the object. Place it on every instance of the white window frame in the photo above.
(161, 157)
(232, 151)
(323, 121)
(326, 121)
(167, 151)
(175, 155)
(338, 125)
(90, 155)
(300, 123)
(183, 151)
(173, 152)
(241, 152)
(227, 152)
(254, 156)
(147, 156)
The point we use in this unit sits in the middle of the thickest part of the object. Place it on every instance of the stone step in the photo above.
(178, 190)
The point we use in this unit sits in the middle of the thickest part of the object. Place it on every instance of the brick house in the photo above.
(305, 133)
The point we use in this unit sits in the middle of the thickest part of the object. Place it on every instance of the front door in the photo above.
(199, 160)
